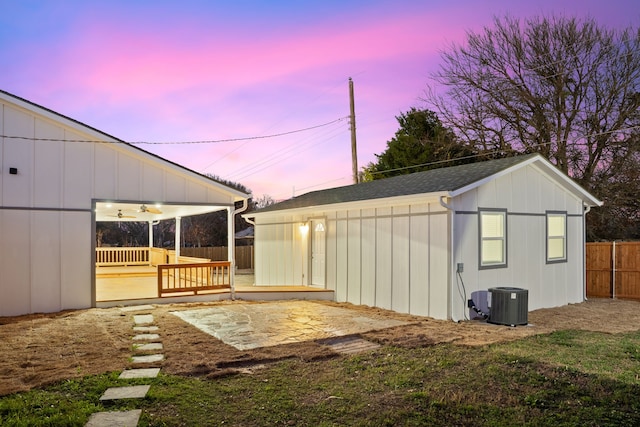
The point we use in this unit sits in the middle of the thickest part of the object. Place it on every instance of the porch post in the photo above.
(178, 239)
(231, 249)
(150, 241)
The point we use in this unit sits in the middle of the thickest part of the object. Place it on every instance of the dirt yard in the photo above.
(41, 349)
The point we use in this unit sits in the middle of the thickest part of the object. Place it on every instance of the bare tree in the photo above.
(565, 88)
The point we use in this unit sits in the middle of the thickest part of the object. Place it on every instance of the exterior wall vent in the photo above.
(509, 306)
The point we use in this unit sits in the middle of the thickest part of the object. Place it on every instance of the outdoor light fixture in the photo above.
(304, 227)
(13, 171)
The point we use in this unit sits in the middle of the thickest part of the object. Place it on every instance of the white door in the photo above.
(318, 244)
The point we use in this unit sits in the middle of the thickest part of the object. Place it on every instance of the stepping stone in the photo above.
(150, 358)
(146, 337)
(145, 328)
(129, 392)
(107, 419)
(142, 319)
(153, 346)
(139, 373)
(137, 307)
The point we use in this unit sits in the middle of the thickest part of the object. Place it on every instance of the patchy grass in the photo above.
(563, 378)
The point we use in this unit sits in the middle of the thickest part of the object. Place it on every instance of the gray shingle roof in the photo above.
(431, 181)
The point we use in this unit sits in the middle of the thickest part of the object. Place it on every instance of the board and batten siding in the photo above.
(46, 218)
(527, 194)
(392, 257)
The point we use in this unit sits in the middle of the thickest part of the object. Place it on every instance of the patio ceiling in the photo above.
(145, 212)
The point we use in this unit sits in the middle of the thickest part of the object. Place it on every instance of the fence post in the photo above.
(613, 270)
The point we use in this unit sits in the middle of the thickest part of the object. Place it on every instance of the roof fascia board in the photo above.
(101, 137)
(358, 204)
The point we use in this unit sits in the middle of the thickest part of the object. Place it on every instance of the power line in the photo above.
(212, 141)
(487, 153)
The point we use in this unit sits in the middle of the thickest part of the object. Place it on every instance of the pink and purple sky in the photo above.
(166, 71)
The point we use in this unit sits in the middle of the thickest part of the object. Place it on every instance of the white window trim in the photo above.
(548, 237)
(482, 265)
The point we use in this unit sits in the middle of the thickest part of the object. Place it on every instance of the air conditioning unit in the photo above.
(509, 306)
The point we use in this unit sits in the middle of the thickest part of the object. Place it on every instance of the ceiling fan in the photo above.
(151, 210)
(120, 215)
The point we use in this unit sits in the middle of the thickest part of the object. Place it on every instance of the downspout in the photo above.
(451, 240)
(586, 210)
(231, 251)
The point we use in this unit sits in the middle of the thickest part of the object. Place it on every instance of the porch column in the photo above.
(150, 234)
(150, 241)
(178, 239)
(231, 252)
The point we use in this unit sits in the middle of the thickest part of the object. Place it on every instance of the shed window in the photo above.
(556, 237)
(493, 238)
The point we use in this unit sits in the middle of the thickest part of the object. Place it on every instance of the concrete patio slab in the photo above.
(142, 319)
(247, 326)
(152, 346)
(146, 337)
(128, 392)
(139, 373)
(149, 358)
(110, 419)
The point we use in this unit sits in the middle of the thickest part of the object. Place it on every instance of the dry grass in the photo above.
(42, 349)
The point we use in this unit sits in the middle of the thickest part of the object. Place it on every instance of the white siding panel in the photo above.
(75, 261)
(341, 260)
(400, 289)
(78, 179)
(105, 172)
(129, 171)
(152, 183)
(419, 265)
(520, 191)
(45, 270)
(354, 292)
(47, 166)
(196, 191)
(383, 263)
(439, 266)
(332, 255)
(175, 188)
(368, 296)
(504, 190)
(17, 189)
(287, 253)
(15, 263)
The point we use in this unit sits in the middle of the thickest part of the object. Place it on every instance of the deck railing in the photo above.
(193, 278)
(122, 256)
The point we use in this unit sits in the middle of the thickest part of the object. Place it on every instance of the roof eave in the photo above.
(357, 204)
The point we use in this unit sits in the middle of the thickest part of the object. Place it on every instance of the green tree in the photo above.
(565, 88)
(421, 143)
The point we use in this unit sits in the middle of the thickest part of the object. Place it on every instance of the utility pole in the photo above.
(352, 122)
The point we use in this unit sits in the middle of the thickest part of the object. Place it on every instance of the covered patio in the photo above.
(142, 275)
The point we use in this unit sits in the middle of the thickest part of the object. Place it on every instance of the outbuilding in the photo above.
(423, 243)
(58, 177)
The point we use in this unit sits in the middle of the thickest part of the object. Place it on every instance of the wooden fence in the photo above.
(613, 270)
(244, 255)
(154, 256)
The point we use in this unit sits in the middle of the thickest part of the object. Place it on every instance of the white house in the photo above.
(423, 243)
(57, 178)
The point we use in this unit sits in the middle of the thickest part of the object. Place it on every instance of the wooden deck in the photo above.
(138, 285)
